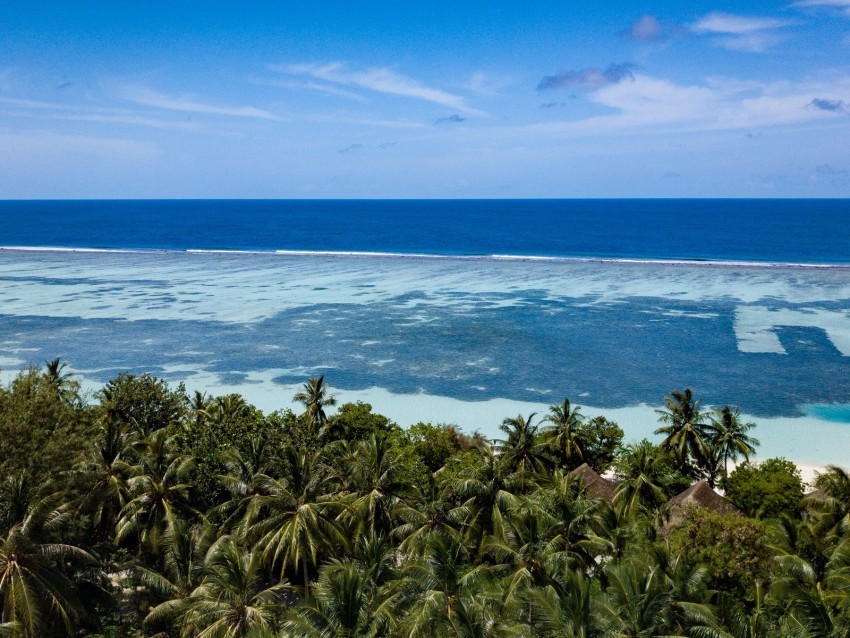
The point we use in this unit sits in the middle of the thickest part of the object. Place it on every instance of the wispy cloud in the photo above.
(647, 104)
(148, 97)
(647, 28)
(327, 89)
(35, 145)
(834, 4)
(35, 109)
(833, 106)
(588, 79)
(743, 33)
(451, 119)
(380, 80)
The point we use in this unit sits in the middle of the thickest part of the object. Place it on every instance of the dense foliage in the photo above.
(143, 511)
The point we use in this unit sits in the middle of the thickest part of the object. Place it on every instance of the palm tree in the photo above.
(428, 516)
(35, 592)
(292, 519)
(641, 600)
(831, 505)
(315, 399)
(107, 473)
(530, 556)
(66, 388)
(565, 498)
(183, 554)
(729, 435)
(371, 476)
(440, 581)
(487, 494)
(562, 434)
(235, 599)
(644, 469)
(684, 430)
(813, 579)
(565, 611)
(346, 604)
(247, 470)
(159, 494)
(522, 452)
(225, 410)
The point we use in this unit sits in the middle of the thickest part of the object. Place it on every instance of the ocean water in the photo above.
(612, 304)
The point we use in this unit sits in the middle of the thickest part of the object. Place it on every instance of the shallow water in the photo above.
(608, 334)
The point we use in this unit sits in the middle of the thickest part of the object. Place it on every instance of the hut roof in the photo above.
(697, 495)
(597, 487)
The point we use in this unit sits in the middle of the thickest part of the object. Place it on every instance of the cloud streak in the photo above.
(379, 80)
(830, 4)
(590, 79)
(833, 106)
(649, 105)
(743, 33)
(148, 97)
(647, 28)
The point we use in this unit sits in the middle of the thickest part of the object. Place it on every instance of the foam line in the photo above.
(709, 263)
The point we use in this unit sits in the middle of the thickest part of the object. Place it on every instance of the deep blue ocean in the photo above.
(791, 231)
(437, 310)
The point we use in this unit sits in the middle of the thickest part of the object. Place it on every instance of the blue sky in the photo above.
(440, 99)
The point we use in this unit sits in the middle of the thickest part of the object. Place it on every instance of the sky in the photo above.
(461, 99)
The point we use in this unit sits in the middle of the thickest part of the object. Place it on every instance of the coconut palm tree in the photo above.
(523, 452)
(159, 494)
(565, 611)
(429, 515)
(293, 520)
(35, 592)
(488, 492)
(235, 599)
(247, 469)
(644, 469)
(106, 474)
(371, 477)
(442, 581)
(530, 556)
(345, 604)
(183, 551)
(729, 436)
(315, 399)
(813, 580)
(684, 432)
(66, 387)
(562, 433)
(641, 600)
(564, 497)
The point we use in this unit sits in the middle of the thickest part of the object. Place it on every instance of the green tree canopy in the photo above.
(770, 489)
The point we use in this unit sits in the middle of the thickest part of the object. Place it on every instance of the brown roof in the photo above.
(699, 494)
(597, 487)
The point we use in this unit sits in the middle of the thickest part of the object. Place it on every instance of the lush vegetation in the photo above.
(142, 511)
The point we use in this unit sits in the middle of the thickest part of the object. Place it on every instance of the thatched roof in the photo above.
(698, 495)
(597, 487)
(817, 494)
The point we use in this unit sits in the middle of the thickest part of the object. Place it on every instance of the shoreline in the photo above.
(793, 438)
(807, 441)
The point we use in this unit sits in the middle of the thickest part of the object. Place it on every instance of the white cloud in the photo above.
(380, 80)
(76, 113)
(652, 105)
(738, 25)
(647, 28)
(838, 4)
(149, 97)
(29, 145)
(742, 33)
